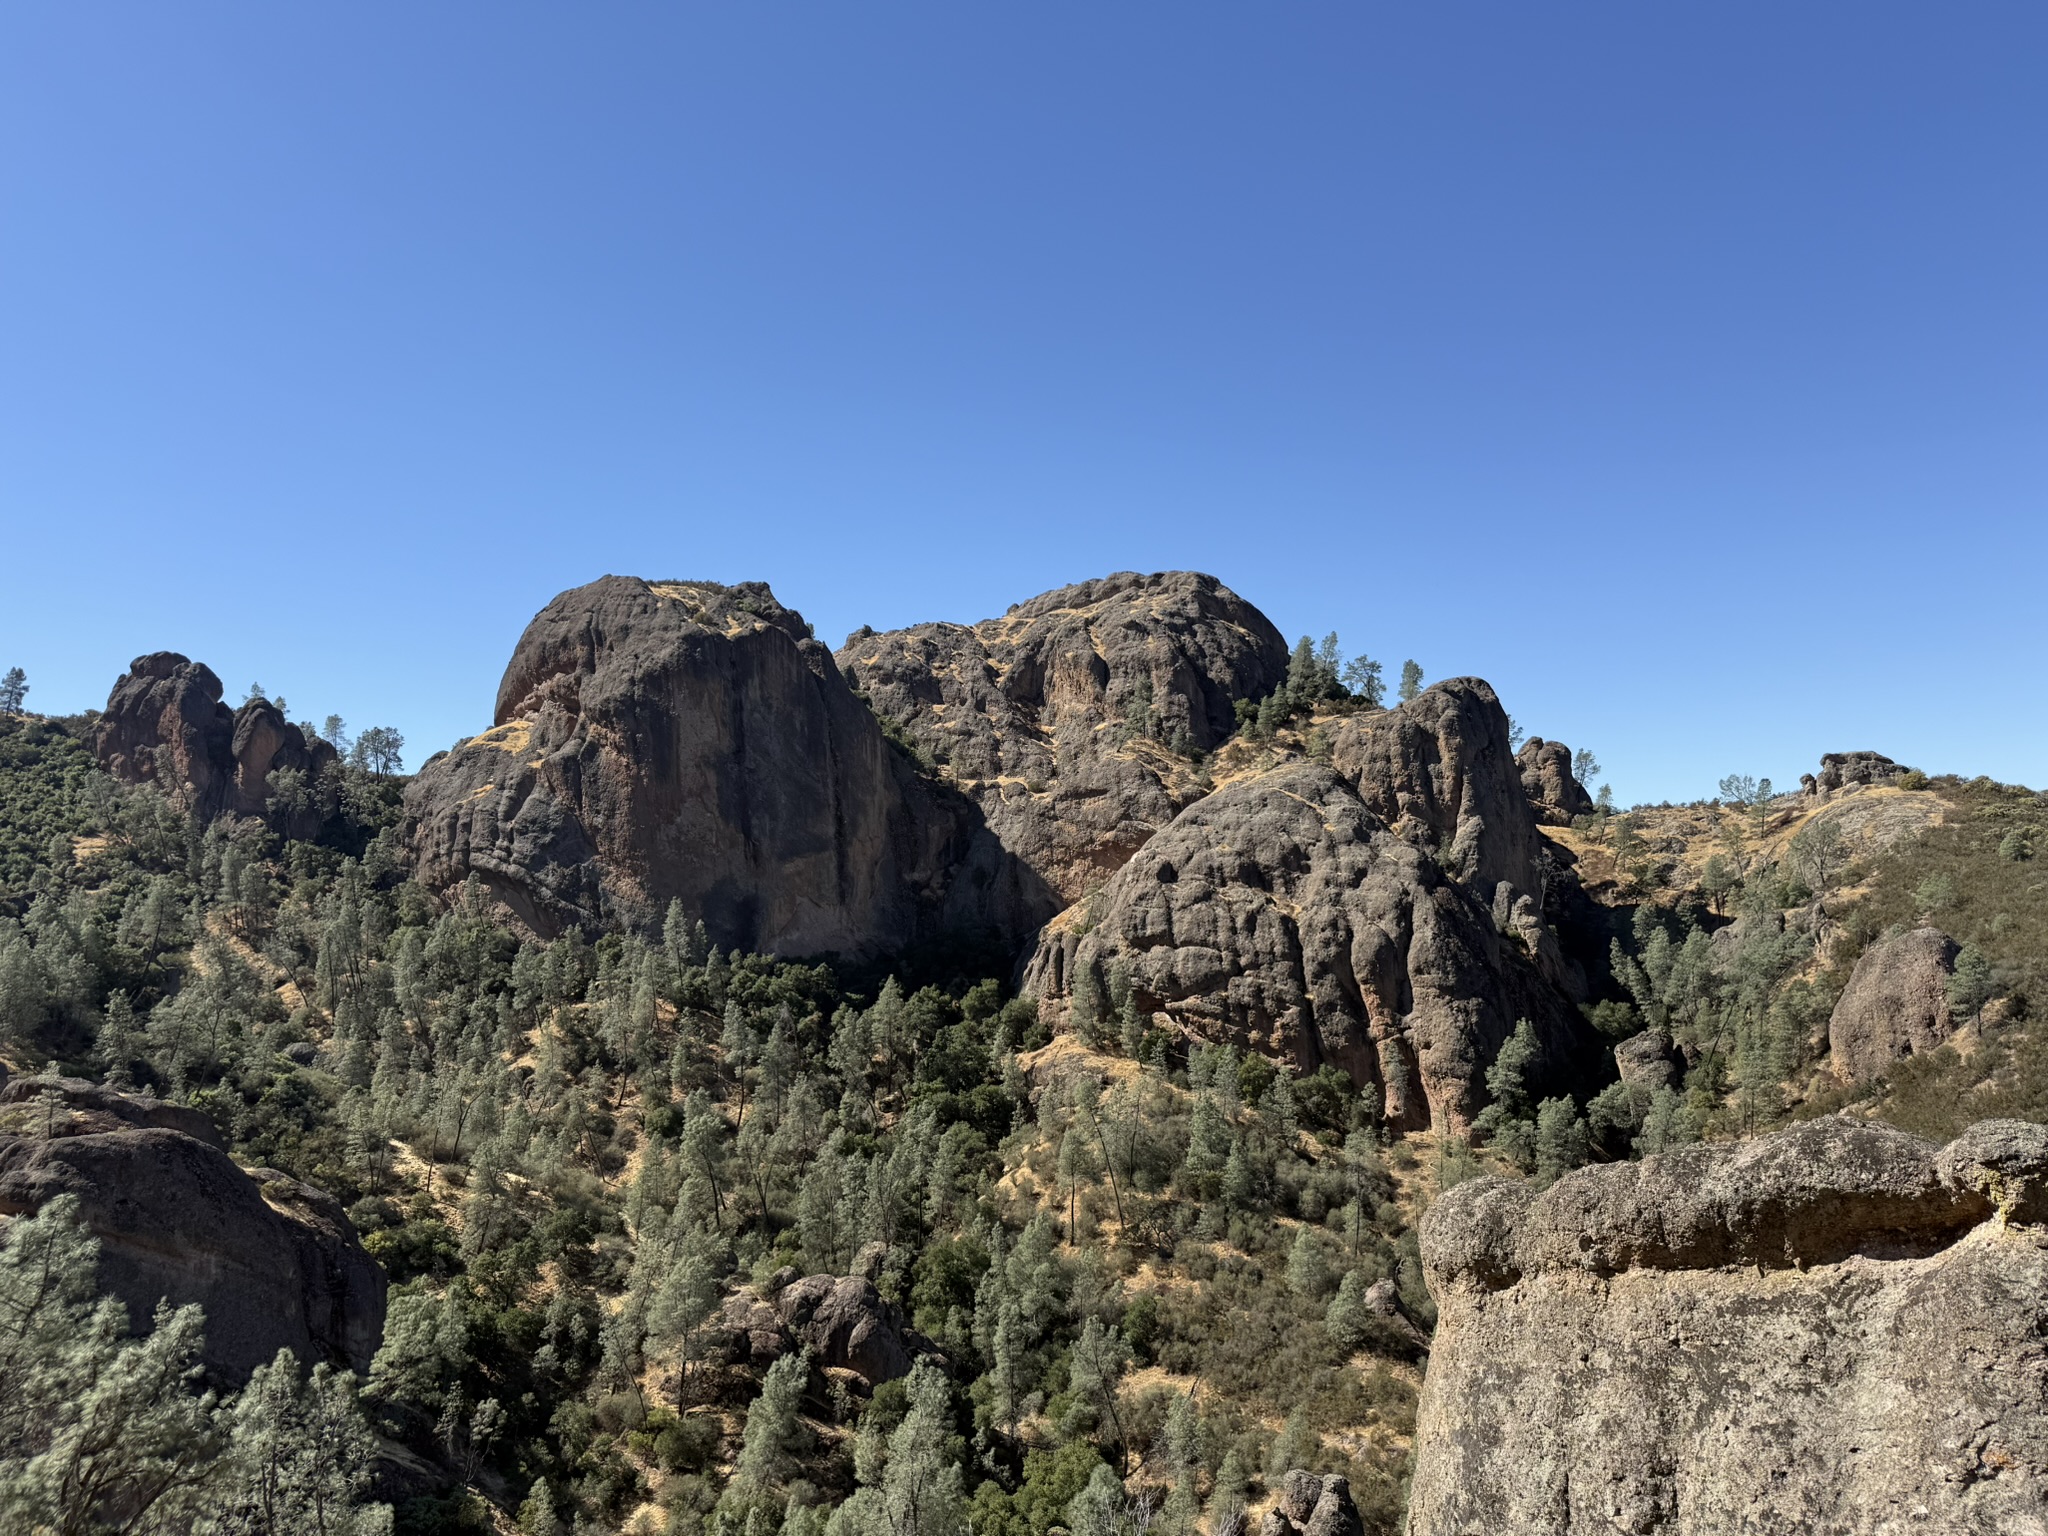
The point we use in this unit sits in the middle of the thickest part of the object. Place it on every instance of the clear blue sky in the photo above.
(1681, 368)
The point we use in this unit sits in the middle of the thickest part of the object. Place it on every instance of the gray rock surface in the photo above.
(71, 1106)
(1027, 714)
(1841, 771)
(683, 740)
(1648, 1061)
(274, 1262)
(1895, 1005)
(1281, 914)
(1553, 791)
(165, 724)
(850, 1325)
(1832, 1329)
(1308, 1505)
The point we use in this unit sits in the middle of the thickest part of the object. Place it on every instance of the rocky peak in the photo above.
(669, 740)
(1554, 793)
(1069, 720)
(1841, 771)
(165, 724)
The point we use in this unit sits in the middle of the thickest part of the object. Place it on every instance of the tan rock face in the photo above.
(1895, 1005)
(679, 740)
(274, 1262)
(1028, 713)
(1835, 1328)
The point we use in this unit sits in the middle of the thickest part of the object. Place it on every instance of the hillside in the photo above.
(997, 1076)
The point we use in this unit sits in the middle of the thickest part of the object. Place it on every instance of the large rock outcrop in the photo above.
(165, 724)
(274, 1262)
(659, 741)
(1895, 1005)
(1069, 720)
(1553, 791)
(1282, 915)
(1837, 1328)
(1844, 771)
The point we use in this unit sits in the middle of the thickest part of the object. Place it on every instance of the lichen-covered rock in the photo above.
(1829, 1329)
(275, 1263)
(165, 724)
(1553, 791)
(1309, 1505)
(1895, 1005)
(1282, 915)
(71, 1106)
(1032, 715)
(657, 741)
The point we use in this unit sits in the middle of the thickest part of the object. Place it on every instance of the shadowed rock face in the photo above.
(165, 724)
(1028, 713)
(1835, 1328)
(274, 1262)
(682, 740)
(1383, 915)
(1895, 1005)
(1282, 915)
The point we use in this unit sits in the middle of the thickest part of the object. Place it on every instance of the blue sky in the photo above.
(1682, 369)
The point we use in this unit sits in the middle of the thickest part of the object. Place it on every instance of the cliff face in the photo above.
(1383, 914)
(1837, 1328)
(274, 1262)
(1057, 719)
(680, 740)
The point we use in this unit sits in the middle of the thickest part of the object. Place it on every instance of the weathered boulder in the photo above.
(1648, 1061)
(274, 1262)
(849, 1325)
(1834, 1328)
(1895, 1005)
(1309, 1505)
(1282, 915)
(165, 724)
(1553, 791)
(1841, 771)
(659, 741)
(1069, 720)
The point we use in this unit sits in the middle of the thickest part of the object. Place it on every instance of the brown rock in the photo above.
(1554, 793)
(70, 1106)
(165, 724)
(1829, 1329)
(274, 1262)
(1895, 1005)
(1028, 713)
(847, 1324)
(1841, 771)
(659, 741)
(1282, 915)
(1299, 1493)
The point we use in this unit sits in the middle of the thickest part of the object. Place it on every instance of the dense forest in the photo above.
(1138, 1280)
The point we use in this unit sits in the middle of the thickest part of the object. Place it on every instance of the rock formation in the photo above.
(844, 1322)
(1309, 1505)
(1383, 914)
(1069, 720)
(165, 724)
(1553, 791)
(1648, 1061)
(1834, 1328)
(656, 741)
(1284, 916)
(1841, 771)
(274, 1262)
(1895, 1005)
